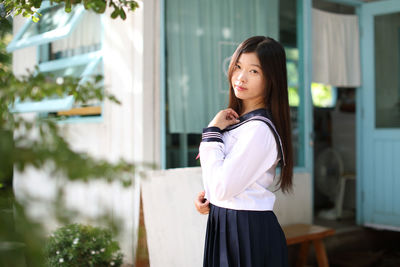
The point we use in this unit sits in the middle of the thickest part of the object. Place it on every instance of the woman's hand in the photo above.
(202, 204)
(224, 118)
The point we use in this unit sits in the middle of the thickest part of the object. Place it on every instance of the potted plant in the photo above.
(82, 245)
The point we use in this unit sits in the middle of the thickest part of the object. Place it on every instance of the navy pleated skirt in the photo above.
(244, 238)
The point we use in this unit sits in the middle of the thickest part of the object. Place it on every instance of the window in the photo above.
(200, 38)
(69, 44)
(323, 96)
(54, 24)
(292, 58)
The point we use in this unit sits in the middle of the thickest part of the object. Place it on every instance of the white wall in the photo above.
(129, 131)
(176, 231)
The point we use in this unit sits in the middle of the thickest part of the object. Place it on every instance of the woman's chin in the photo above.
(240, 95)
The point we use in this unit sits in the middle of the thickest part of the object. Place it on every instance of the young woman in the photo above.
(239, 153)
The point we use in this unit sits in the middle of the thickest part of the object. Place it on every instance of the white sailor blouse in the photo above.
(239, 163)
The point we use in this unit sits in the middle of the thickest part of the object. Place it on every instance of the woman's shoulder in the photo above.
(253, 128)
(254, 125)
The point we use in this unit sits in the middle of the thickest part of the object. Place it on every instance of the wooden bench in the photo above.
(303, 234)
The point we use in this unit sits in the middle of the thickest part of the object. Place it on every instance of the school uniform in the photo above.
(238, 165)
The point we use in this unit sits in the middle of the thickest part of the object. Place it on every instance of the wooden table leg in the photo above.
(303, 254)
(320, 252)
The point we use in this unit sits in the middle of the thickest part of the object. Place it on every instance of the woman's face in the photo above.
(248, 80)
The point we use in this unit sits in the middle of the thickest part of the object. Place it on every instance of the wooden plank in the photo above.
(298, 233)
(95, 110)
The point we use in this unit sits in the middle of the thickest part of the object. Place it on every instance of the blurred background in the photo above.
(94, 96)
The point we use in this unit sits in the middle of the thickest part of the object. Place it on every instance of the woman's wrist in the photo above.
(212, 134)
(211, 124)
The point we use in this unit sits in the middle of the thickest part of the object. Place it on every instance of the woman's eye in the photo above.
(254, 71)
(237, 67)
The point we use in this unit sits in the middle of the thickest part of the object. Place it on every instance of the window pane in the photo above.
(292, 61)
(86, 71)
(387, 69)
(74, 71)
(84, 39)
(51, 19)
(200, 38)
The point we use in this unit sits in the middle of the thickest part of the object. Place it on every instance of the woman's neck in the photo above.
(250, 107)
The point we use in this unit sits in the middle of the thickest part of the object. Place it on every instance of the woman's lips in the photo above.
(240, 88)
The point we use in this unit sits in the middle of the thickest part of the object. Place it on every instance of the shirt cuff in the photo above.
(212, 134)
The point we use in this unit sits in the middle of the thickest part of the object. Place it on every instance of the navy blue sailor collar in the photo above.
(264, 115)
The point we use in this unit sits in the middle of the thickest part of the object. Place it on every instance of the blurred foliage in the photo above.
(294, 99)
(82, 245)
(39, 142)
(21, 239)
(323, 95)
(292, 58)
(29, 8)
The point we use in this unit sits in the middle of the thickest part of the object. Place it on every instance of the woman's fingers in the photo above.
(201, 194)
(231, 111)
(205, 207)
(202, 204)
(231, 116)
(232, 119)
(224, 118)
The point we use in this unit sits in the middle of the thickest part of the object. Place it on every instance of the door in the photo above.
(379, 149)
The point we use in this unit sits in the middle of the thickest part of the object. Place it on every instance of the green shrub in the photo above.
(82, 245)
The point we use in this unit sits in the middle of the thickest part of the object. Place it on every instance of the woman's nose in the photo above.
(241, 76)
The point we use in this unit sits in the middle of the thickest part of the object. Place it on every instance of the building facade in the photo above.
(167, 64)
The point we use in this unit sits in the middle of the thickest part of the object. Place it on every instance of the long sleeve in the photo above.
(252, 155)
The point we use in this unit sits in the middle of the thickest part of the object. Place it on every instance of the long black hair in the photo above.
(272, 57)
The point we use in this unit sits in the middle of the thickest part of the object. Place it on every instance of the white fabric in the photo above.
(336, 53)
(201, 36)
(237, 172)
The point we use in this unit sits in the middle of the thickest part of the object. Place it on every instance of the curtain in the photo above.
(200, 38)
(336, 49)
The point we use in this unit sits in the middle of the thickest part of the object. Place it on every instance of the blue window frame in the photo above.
(57, 26)
(83, 66)
(54, 24)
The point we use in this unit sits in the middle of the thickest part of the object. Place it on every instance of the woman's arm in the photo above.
(226, 176)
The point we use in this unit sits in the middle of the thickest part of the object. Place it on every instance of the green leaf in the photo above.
(133, 5)
(122, 13)
(115, 13)
(68, 6)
